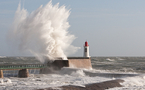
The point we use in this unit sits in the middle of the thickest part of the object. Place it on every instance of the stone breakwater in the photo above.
(94, 86)
(72, 62)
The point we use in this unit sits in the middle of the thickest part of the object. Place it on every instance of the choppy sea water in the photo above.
(119, 64)
(129, 69)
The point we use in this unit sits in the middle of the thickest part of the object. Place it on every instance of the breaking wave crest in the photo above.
(43, 32)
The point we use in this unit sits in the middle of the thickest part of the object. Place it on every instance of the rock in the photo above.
(95, 86)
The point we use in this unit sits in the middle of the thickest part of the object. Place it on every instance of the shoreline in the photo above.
(93, 86)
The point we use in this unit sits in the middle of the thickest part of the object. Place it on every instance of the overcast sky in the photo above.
(111, 27)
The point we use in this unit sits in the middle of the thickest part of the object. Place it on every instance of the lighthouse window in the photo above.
(85, 49)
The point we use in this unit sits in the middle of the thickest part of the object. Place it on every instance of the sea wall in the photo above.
(80, 62)
(73, 62)
(54, 66)
(23, 73)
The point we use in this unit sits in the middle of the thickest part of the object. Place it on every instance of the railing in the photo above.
(25, 66)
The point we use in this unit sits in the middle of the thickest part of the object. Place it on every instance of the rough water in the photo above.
(44, 32)
(127, 66)
(119, 64)
(129, 69)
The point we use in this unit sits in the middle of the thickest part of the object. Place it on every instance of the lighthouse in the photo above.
(86, 49)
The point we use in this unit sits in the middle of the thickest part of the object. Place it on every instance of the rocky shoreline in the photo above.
(94, 86)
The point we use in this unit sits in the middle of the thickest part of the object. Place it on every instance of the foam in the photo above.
(72, 76)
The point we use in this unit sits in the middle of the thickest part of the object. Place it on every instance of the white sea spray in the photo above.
(43, 32)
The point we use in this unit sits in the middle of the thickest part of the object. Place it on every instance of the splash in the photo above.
(43, 32)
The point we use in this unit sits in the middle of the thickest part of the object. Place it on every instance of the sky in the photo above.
(111, 27)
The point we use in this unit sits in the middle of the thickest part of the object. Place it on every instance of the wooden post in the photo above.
(1, 74)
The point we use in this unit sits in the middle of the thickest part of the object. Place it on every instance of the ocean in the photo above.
(119, 64)
(129, 69)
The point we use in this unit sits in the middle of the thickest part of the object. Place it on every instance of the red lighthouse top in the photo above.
(86, 43)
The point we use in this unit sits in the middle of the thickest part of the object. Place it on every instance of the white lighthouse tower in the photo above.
(86, 49)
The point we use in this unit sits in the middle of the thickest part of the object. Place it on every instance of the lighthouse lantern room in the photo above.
(86, 49)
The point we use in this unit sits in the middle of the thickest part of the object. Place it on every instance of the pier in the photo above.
(23, 69)
(23, 64)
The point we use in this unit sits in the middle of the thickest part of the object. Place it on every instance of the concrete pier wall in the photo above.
(73, 62)
(80, 62)
(54, 66)
(58, 64)
(23, 73)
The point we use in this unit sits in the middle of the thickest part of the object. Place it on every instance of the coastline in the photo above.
(93, 86)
